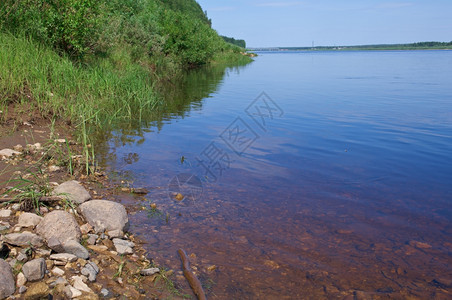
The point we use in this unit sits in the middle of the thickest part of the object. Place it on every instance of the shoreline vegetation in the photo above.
(382, 47)
(71, 70)
(93, 62)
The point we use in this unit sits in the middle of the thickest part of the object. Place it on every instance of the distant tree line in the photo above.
(231, 40)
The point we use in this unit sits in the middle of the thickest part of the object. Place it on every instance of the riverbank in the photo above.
(95, 256)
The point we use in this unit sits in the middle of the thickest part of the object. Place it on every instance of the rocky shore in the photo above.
(62, 240)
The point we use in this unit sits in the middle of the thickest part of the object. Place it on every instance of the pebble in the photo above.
(104, 292)
(5, 213)
(22, 289)
(149, 272)
(21, 280)
(80, 285)
(64, 257)
(57, 271)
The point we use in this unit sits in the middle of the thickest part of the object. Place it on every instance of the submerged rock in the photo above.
(73, 191)
(105, 215)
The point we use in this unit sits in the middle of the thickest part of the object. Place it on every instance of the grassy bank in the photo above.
(97, 62)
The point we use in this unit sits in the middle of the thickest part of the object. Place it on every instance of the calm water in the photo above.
(341, 186)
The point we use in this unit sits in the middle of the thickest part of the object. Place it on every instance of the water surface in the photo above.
(346, 188)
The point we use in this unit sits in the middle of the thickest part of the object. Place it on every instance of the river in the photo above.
(303, 175)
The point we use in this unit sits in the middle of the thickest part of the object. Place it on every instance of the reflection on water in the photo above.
(347, 195)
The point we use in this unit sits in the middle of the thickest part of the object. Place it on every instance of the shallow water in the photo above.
(336, 181)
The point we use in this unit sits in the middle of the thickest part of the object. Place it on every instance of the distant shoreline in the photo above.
(348, 49)
(412, 46)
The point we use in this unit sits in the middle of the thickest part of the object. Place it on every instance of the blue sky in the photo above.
(267, 23)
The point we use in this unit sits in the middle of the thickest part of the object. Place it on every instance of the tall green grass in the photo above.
(101, 93)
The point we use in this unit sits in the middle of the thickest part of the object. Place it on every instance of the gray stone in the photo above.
(64, 257)
(90, 270)
(22, 289)
(21, 280)
(80, 285)
(35, 269)
(29, 220)
(149, 272)
(5, 213)
(8, 153)
(55, 244)
(23, 239)
(7, 286)
(72, 292)
(73, 191)
(92, 238)
(123, 246)
(105, 215)
(76, 248)
(123, 242)
(22, 257)
(104, 292)
(115, 233)
(59, 224)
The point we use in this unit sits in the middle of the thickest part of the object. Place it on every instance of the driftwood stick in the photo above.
(43, 199)
(194, 282)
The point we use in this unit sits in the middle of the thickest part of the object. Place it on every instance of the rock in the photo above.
(55, 245)
(444, 283)
(21, 280)
(86, 228)
(34, 269)
(7, 287)
(97, 248)
(115, 233)
(90, 270)
(54, 168)
(58, 281)
(22, 257)
(60, 225)
(15, 207)
(5, 213)
(123, 246)
(420, 245)
(72, 292)
(22, 289)
(92, 238)
(37, 291)
(105, 215)
(18, 148)
(80, 285)
(43, 210)
(76, 248)
(23, 239)
(57, 271)
(64, 257)
(8, 153)
(73, 191)
(149, 272)
(104, 292)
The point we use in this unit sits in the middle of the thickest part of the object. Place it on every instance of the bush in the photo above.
(68, 25)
